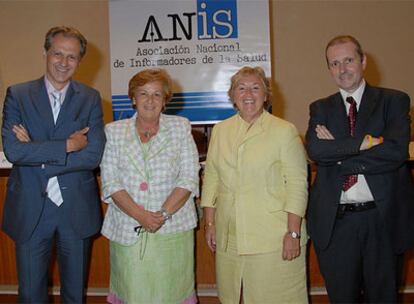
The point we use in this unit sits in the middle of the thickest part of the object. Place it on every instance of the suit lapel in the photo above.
(256, 128)
(131, 147)
(41, 104)
(366, 107)
(161, 141)
(69, 104)
(338, 122)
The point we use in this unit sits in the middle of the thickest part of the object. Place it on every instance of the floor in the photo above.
(9, 299)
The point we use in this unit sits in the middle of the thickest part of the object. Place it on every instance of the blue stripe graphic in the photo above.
(198, 107)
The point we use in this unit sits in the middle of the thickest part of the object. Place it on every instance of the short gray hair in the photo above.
(66, 31)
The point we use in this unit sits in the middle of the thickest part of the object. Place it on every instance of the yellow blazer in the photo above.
(257, 175)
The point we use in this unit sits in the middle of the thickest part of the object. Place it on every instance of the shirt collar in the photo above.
(163, 127)
(356, 95)
(248, 124)
(50, 88)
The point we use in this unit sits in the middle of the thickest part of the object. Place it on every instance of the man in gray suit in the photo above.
(53, 135)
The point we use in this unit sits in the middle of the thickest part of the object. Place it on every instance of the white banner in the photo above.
(200, 43)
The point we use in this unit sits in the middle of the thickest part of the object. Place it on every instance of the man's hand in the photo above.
(21, 133)
(77, 140)
(322, 132)
(370, 141)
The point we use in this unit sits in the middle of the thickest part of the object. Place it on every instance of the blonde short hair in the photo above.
(246, 71)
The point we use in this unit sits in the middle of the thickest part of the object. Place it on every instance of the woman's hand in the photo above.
(210, 234)
(151, 221)
(291, 247)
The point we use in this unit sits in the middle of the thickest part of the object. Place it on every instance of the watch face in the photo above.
(295, 235)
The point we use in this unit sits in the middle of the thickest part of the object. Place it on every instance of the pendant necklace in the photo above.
(148, 133)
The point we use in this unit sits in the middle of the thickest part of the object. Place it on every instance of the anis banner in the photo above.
(200, 43)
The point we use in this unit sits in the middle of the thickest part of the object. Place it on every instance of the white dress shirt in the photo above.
(359, 192)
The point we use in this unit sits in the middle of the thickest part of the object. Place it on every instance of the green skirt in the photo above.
(157, 269)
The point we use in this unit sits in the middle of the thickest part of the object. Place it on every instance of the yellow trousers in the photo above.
(264, 278)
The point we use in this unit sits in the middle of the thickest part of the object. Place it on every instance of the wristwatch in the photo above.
(167, 216)
(293, 234)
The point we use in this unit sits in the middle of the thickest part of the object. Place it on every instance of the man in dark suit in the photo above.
(53, 135)
(361, 209)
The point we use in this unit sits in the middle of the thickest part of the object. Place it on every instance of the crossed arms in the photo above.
(362, 155)
(81, 150)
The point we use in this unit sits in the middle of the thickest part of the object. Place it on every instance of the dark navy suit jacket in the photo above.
(382, 112)
(45, 156)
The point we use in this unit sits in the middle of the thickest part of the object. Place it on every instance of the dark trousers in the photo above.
(33, 258)
(359, 263)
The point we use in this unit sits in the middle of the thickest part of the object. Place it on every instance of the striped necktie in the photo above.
(53, 189)
(56, 104)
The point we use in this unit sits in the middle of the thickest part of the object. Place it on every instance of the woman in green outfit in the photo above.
(149, 179)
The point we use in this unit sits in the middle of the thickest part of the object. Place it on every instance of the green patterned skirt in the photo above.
(157, 269)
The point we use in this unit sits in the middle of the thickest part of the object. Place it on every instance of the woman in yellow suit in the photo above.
(254, 198)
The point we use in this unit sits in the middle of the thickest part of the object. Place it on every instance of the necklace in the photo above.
(148, 133)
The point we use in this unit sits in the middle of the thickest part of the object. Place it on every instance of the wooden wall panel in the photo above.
(205, 266)
(8, 275)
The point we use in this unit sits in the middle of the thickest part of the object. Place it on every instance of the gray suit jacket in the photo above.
(383, 112)
(45, 156)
